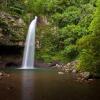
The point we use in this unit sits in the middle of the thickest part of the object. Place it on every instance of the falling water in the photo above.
(28, 58)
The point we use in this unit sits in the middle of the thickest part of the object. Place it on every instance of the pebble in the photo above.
(60, 73)
(90, 79)
(66, 70)
(74, 71)
(1, 73)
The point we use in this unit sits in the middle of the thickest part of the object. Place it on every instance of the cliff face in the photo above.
(12, 29)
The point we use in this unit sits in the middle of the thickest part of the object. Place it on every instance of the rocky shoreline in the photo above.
(71, 68)
(63, 69)
(4, 75)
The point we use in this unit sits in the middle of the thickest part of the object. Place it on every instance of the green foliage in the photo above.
(70, 52)
(89, 46)
(59, 34)
(13, 6)
(37, 7)
(69, 16)
(86, 61)
(69, 22)
(85, 42)
(95, 25)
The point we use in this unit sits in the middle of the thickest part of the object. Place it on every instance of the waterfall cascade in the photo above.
(28, 58)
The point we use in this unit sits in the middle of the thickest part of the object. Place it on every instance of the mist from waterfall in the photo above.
(28, 57)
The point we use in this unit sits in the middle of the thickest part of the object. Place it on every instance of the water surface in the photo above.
(46, 84)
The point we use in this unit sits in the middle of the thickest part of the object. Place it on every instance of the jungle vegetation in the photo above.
(67, 29)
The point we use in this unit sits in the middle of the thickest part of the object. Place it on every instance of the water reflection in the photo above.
(48, 85)
(27, 85)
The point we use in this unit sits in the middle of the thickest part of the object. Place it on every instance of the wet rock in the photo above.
(66, 70)
(68, 64)
(65, 66)
(60, 67)
(69, 67)
(7, 75)
(4, 75)
(60, 73)
(74, 71)
(85, 75)
(57, 65)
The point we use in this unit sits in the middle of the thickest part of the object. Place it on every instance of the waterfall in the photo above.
(28, 58)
